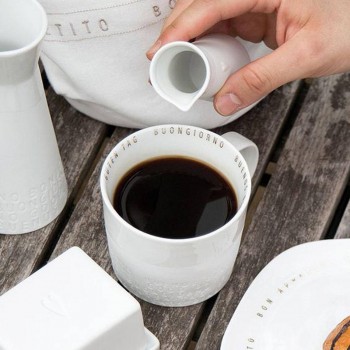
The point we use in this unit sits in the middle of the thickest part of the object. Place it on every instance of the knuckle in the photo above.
(309, 56)
(257, 79)
(176, 27)
(310, 51)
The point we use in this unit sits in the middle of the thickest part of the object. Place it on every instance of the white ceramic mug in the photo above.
(177, 272)
(183, 72)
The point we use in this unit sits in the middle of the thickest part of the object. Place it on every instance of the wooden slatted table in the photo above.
(300, 193)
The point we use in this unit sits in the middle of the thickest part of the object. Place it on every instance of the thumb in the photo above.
(292, 60)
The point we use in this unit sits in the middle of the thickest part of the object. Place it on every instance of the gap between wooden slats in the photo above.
(343, 230)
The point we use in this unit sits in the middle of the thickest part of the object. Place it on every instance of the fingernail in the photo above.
(156, 46)
(228, 104)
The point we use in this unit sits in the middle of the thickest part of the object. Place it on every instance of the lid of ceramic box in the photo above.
(72, 304)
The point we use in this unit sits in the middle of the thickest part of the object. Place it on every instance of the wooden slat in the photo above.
(300, 198)
(264, 123)
(85, 227)
(173, 326)
(343, 230)
(79, 138)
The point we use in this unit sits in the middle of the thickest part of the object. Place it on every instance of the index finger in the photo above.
(180, 7)
(201, 15)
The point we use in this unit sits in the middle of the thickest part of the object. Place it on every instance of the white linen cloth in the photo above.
(94, 55)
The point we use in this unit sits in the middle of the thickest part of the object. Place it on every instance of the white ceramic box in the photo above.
(72, 304)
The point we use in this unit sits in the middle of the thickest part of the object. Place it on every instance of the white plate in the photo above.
(295, 301)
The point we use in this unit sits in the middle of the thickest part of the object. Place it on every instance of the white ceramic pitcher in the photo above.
(183, 72)
(33, 188)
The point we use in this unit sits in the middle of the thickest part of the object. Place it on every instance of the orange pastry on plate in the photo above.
(339, 338)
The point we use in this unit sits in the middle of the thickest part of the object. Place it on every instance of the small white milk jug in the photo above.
(183, 72)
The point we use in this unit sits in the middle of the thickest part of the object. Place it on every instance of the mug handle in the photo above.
(247, 148)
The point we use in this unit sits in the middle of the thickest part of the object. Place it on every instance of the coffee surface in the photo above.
(175, 198)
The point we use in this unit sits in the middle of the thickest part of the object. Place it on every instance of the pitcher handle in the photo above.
(247, 148)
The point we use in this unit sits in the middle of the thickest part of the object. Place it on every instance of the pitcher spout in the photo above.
(185, 101)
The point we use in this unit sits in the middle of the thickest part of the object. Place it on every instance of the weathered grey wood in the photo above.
(173, 326)
(300, 198)
(264, 123)
(343, 230)
(85, 227)
(79, 138)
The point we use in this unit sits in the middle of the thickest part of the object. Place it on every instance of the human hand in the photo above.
(310, 38)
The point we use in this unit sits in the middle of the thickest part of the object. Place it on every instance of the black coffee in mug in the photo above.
(175, 197)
